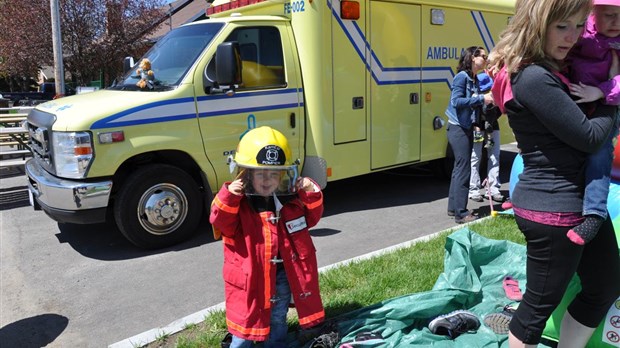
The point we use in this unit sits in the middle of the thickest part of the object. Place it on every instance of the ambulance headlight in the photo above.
(438, 16)
(73, 153)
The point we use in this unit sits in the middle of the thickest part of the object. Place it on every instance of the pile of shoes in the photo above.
(499, 322)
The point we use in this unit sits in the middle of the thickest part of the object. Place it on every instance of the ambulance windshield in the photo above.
(171, 58)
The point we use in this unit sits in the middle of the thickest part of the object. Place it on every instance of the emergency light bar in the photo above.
(231, 5)
(348, 9)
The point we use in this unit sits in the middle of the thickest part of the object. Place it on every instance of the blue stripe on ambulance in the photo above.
(185, 108)
(402, 75)
(481, 24)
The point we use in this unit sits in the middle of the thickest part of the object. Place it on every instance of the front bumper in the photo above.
(80, 202)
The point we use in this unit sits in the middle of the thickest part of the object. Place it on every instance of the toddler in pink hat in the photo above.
(594, 76)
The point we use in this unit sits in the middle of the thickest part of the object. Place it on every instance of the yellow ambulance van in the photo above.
(356, 86)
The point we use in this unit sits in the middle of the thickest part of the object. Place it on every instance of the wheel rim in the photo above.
(162, 209)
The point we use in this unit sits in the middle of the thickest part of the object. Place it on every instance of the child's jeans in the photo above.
(598, 171)
(279, 309)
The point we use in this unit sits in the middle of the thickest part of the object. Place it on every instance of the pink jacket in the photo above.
(252, 240)
(590, 60)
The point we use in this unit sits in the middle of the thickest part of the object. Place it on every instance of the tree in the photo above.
(100, 33)
(25, 40)
(96, 36)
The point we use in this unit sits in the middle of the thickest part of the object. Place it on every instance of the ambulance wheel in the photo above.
(158, 206)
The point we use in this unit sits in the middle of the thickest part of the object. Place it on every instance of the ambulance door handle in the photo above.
(358, 103)
(292, 120)
(414, 98)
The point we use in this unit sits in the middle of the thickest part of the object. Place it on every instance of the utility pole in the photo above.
(59, 71)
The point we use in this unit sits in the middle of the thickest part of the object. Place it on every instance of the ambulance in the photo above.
(356, 86)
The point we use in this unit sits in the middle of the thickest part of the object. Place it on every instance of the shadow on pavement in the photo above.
(105, 241)
(33, 332)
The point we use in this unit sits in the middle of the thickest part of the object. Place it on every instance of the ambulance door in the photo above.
(270, 94)
(349, 82)
(395, 83)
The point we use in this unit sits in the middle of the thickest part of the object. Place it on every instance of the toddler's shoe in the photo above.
(511, 288)
(226, 341)
(498, 197)
(476, 198)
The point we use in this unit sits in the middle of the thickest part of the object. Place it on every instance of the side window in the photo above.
(261, 56)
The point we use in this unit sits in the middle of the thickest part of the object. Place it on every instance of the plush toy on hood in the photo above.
(146, 74)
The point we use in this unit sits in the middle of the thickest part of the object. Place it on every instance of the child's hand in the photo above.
(585, 93)
(236, 187)
(488, 99)
(305, 184)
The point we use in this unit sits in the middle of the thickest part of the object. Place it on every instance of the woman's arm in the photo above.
(458, 96)
(542, 93)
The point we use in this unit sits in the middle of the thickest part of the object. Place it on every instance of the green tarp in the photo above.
(474, 268)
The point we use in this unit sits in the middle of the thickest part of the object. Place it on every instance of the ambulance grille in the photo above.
(39, 129)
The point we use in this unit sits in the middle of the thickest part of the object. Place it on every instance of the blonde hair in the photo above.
(523, 41)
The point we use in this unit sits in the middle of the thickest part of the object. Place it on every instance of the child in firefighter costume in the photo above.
(264, 216)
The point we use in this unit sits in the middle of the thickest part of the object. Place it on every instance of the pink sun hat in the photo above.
(607, 2)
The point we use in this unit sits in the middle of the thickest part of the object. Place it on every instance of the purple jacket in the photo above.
(590, 60)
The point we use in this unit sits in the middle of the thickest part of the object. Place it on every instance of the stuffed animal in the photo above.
(146, 74)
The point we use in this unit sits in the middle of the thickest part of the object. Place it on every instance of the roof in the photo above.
(181, 12)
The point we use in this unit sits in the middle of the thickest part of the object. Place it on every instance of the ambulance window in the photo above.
(261, 56)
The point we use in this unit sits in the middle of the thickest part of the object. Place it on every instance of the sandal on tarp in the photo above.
(511, 288)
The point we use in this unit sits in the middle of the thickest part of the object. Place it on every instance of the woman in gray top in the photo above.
(554, 137)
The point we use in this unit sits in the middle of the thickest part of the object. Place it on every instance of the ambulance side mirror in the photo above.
(128, 63)
(228, 65)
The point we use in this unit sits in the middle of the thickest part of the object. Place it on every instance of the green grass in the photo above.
(362, 283)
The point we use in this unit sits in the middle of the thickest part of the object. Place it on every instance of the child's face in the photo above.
(265, 182)
(607, 19)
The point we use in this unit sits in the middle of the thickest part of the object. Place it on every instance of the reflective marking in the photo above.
(401, 75)
(185, 108)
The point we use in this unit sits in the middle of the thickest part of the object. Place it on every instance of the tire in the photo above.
(158, 185)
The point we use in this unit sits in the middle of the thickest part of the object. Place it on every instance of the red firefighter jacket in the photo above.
(252, 243)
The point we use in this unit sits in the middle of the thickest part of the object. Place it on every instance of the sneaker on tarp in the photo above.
(454, 324)
(498, 322)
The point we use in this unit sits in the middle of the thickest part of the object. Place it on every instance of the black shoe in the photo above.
(454, 324)
(226, 341)
(450, 212)
(465, 219)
